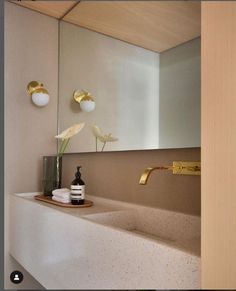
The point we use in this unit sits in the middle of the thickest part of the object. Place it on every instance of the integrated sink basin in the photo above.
(133, 221)
(111, 245)
(175, 229)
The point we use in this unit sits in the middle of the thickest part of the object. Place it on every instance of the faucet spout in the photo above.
(178, 168)
(145, 175)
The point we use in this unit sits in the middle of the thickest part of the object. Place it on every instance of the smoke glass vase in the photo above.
(52, 168)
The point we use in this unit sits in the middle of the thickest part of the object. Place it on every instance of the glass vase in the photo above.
(52, 168)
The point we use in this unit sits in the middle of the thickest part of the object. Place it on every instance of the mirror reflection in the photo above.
(129, 97)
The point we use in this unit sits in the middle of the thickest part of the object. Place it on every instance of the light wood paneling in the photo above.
(55, 9)
(218, 145)
(155, 25)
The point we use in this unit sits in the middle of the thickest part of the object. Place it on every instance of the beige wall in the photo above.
(116, 176)
(31, 46)
(218, 145)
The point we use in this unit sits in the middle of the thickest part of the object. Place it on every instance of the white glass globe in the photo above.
(87, 105)
(40, 99)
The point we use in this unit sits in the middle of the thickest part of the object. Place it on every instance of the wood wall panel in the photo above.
(219, 145)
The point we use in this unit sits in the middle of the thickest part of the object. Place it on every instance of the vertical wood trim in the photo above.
(218, 145)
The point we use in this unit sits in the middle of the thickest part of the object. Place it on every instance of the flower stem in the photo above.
(60, 148)
(103, 146)
(63, 146)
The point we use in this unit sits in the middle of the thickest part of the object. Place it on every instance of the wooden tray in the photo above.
(48, 199)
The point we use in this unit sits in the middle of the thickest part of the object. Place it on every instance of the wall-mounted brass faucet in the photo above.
(178, 168)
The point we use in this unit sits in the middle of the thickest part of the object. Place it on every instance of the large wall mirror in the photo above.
(146, 96)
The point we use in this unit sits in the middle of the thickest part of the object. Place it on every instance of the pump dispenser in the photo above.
(77, 189)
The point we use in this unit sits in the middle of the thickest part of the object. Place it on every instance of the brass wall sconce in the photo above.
(85, 100)
(39, 95)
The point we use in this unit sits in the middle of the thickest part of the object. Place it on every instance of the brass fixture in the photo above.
(38, 93)
(178, 168)
(35, 86)
(85, 100)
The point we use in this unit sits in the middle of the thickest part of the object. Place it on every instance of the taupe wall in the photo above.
(31, 46)
(116, 176)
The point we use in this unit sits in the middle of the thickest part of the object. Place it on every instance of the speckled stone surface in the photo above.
(179, 230)
(112, 245)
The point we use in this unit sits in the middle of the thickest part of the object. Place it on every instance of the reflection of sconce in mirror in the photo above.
(85, 100)
(38, 93)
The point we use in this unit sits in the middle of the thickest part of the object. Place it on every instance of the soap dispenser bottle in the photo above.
(77, 193)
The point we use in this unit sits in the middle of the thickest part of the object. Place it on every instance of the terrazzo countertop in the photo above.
(111, 245)
(98, 206)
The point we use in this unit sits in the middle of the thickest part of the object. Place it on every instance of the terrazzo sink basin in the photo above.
(112, 245)
(175, 229)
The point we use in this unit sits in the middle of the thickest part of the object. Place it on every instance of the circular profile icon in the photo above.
(16, 277)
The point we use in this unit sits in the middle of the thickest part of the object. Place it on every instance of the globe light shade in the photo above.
(40, 98)
(39, 95)
(87, 105)
(85, 100)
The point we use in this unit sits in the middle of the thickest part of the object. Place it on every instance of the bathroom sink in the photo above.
(112, 245)
(174, 229)
(129, 220)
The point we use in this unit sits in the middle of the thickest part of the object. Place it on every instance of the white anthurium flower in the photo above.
(66, 135)
(102, 137)
(109, 137)
(71, 131)
(96, 131)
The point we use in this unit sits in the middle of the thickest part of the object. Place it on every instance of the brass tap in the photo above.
(178, 168)
(145, 175)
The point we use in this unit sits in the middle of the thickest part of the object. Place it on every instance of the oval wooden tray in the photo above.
(48, 199)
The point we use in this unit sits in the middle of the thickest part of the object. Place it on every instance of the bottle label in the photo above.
(77, 192)
(77, 187)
